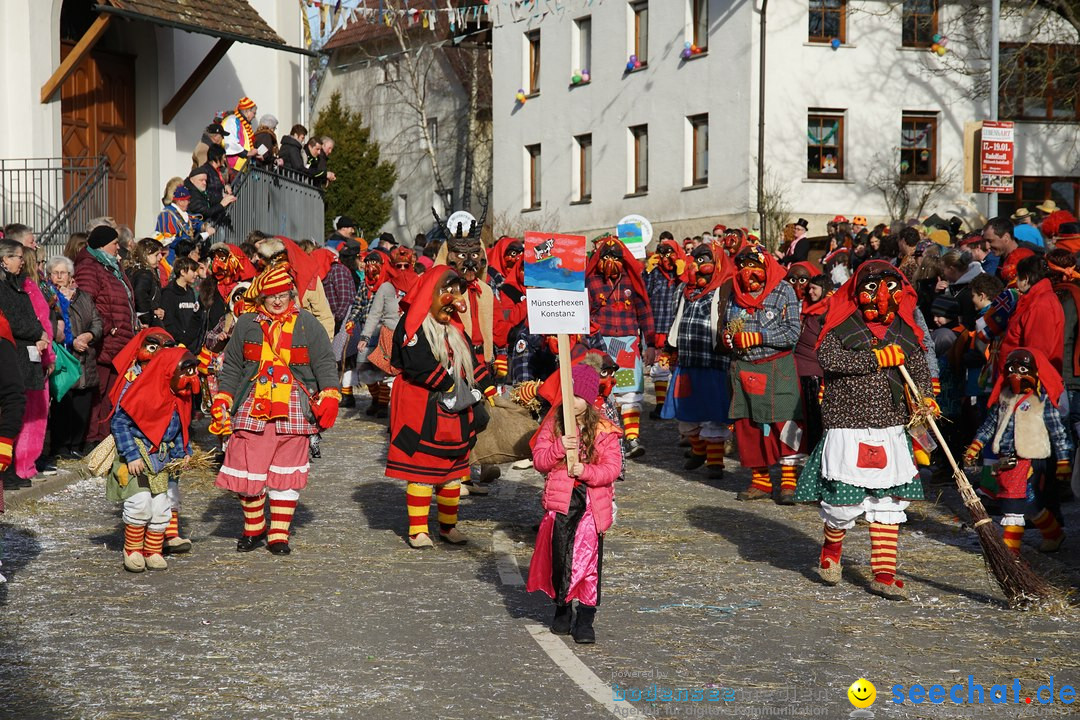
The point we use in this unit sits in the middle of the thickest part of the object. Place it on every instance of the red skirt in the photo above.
(255, 462)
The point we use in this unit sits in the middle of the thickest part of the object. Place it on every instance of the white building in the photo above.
(140, 95)
(412, 97)
(675, 140)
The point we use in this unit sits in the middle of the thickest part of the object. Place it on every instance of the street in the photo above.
(700, 592)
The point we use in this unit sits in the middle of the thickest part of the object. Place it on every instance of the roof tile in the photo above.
(236, 17)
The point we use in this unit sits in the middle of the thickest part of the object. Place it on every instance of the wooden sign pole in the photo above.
(566, 380)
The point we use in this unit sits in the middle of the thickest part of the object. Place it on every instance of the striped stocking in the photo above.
(883, 540)
(631, 420)
(418, 499)
(714, 452)
(173, 529)
(153, 543)
(254, 514)
(661, 391)
(789, 477)
(134, 537)
(698, 446)
(1048, 525)
(447, 498)
(759, 478)
(281, 515)
(832, 547)
(1013, 537)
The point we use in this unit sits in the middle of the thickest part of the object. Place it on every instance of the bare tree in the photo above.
(906, 196)
(776, 210)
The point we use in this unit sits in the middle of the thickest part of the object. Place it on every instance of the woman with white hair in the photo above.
(80, 332)
(266, 137)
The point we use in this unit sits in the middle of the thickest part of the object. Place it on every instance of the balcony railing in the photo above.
(54, 196)
(275, 204)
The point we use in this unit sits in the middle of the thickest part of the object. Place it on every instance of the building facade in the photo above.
(858, 98)
(112, 103)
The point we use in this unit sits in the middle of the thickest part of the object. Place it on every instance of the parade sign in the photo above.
(996, 153)
(555, 281)
(635, 232)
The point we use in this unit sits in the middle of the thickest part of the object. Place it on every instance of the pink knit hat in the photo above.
(586, 383)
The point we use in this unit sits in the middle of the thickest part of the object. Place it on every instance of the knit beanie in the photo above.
(101, 236)
(586, 383)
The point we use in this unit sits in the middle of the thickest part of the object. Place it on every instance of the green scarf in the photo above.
(112, 264)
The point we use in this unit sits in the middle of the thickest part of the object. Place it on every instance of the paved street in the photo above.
(700, 592)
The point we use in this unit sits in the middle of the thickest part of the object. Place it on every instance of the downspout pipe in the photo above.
(761, 124)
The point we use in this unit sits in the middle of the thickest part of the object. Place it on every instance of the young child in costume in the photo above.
(1026, 429)
(150, 425)
(578, 501)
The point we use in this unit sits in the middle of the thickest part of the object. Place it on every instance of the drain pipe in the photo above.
(761, 125)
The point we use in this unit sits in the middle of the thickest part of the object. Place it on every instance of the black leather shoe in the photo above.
(348, 401)
(247, 543)
(279, 548)
(694, 462)
(654, 414)
(560, 625)
(371, 409)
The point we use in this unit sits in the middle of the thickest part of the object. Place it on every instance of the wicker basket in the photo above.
(100, 459)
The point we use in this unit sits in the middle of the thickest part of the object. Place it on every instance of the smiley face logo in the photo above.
(862, 693)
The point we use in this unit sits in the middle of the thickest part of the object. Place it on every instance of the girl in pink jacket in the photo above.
(578, 500)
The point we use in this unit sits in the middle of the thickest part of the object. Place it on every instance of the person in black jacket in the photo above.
(215, 213)
(291, 151)
(146, 282)
(183, 314)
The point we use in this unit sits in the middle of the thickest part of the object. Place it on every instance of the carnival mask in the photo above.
(512, 255)
(185, 382)
(1022, 372)
(704, 265)
(402, 258)
(731, 241)
(752, 274)
(607, 381)
(879, 297)
(666, 253)
(151, 344)
(223, 266)
(373, 266)
(611, 261)
(448, 299)
(799, 277)
(466, 255)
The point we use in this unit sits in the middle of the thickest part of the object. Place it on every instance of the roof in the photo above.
(227, 19)
(362, 30)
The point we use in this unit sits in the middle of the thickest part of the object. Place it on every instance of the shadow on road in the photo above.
(759, 539)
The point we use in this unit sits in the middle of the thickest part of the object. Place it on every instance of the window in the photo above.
(918, 146)
(402, 210)
(919, 22)
(699, 24)
(433, 132)
(1040, 82)
(532, 68)
(389, 72)
(699, 149)
(640, 31)
(639, 138)
(1032, 191)
(828, 20)
(825, 145)
(584, 163)
(533, 177)
(582, 51)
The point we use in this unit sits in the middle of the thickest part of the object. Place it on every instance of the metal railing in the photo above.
(54, 196)
(275, 204)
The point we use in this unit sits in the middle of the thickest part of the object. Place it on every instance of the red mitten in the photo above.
(221, 421)
(747, 340)
(325, 408)
(5, 453)
(890, 356)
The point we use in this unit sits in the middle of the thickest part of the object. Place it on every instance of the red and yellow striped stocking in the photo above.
(173, 529)
(759, 478)
(384, 394)
(631, 420)
(661, 391)
(447, 498)
(1048, 525)
(153, 543)
(254, 515)
(134, 537)
(789, 477)
(281, 515)
(418, 499)
(714, 452)
(1014, 537)
(346, 390)
(698, 445)
(883, 541)
(832, 547)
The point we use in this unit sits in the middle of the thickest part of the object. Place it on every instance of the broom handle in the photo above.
(964, 486)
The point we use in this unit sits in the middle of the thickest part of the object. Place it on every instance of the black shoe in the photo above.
(372, 409)
(348, 401)
(382, 411)
(279, 548)
(47, 469)
(654, 414)
(583, 630)
(694, 462)
(634, 448)
(561, 624)
(716, 472)
(247, 543)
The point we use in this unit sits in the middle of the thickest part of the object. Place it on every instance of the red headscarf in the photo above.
(808, 266)
(384, 268)
(722, 274)
(302, 266)
(680, 257)
(844, 302)
(324, 259)
(632, 269)
(496, 255)
(1048, 376)
(5, 329)
(417, 304)
(150, 401)
(812, 309)
(774, 275)
(403, 279)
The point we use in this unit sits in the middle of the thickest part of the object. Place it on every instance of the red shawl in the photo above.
(239, 269)
(632, 269)
(844, 302)
(150, 401)
(302, 266)
(819, 308)
(723, 273)
(417, 304)
(1048, 376)
(496, 254)
(124, 359)
(324, 259)
(774, 275)
(403, 279)
(5, 329)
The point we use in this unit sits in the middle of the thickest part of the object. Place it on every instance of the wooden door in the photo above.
(97, 104)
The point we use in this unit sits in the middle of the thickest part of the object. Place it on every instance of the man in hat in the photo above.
(240, 133)
(174, 223)
(344, 233)
(214, 135)
(799, 249)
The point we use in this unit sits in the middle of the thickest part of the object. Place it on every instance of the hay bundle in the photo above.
(506, 438)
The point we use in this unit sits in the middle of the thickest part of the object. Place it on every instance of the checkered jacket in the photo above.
(778, 321)
(126, 432)
(1059, 436)
(340, 287)
(695, 337)
(663, 296)
(610, 313)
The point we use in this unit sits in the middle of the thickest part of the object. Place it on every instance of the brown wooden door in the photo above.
(97, 104)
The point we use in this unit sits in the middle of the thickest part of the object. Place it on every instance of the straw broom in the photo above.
(1021, 585)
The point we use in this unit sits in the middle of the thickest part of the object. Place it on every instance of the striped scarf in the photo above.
(274, 380)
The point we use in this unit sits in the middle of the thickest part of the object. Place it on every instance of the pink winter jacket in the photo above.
(549, 458)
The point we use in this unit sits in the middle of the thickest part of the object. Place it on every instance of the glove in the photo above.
(325, 408)
(5, 453)
(525, 392)
(727, 340)
(746, 340)
(489, 392)
(932, 404)
(935, 386)
(889, 356)
(971, 455)
(349, 327)
(221, 422)
(205, 357)
(1064, 471)
(502, 366)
